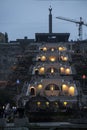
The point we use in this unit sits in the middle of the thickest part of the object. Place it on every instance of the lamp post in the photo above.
(17, 82)
(84, 77)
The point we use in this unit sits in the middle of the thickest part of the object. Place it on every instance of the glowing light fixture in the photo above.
(38, 103)
(42, 70)
(84, 77)
(40, 86)
(43, 58)
(44, 49)
(52, 58)
(62, 69)
(47, 103)
(51, 88)
(52, 49)
(67, 71)
(60, 48)
(71, 90)
(65, 58)
(65, 87)
(52, 70)
(65, 103)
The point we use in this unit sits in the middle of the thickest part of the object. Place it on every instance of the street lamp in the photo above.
(84, 77)
(17, 82)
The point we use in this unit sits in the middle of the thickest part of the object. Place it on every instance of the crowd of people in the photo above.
(10, 112)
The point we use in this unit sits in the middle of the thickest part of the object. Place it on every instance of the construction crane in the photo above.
(80, 23)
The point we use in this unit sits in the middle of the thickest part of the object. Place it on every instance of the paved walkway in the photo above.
(51, 123)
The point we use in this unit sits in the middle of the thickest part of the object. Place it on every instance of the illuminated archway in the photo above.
(52, 87)
(52, 58)
(41, 70)
(52, 90)
(71, 90)
(52, 70)
(43, 58)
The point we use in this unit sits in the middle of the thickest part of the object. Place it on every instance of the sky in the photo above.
(20, 18)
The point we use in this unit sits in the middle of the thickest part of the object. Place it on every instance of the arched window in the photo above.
(52, 70)
(52, 87)
(52, 58)
(36, 72)
(32, 91)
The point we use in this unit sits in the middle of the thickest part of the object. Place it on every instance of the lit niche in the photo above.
(42, 70)
(51, 87)
(67, 71)
(38, 104)
(44, 48)
(40, 86)
(65, 88)
(62, 69)
(71, 90)
(52, 49)
(47, 104)
(52, 70)
(52, 58)
(64, 58)
(65, 103)
(43, 58)
(62, 48)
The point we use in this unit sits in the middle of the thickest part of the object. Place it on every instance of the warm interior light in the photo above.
(52, 70)
(65, 58)
(47, 103)
(60, 48)
(67, 70)
(51, 88)
(52, 49)
(62, 69)
(56, 103)
(65, 87)
(65, 103)
(43, 58)
(42, 70)
(84, 76)
(44, 49)
(52, 58)
(61, 57)
(40, 86)
(71, 90)
(38, 103)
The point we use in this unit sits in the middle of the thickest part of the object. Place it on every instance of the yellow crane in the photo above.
(80, 23)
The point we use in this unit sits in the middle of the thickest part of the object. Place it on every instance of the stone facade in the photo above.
(8, 58)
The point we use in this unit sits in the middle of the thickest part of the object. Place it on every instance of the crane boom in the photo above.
(70, 20)
(80, 23)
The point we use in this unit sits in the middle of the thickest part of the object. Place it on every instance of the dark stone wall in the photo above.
(8, 58)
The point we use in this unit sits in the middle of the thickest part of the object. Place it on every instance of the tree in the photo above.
(6, 37)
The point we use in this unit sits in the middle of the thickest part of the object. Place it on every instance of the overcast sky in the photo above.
(21, 18)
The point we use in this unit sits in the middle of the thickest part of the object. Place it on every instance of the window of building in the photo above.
(32, 91)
